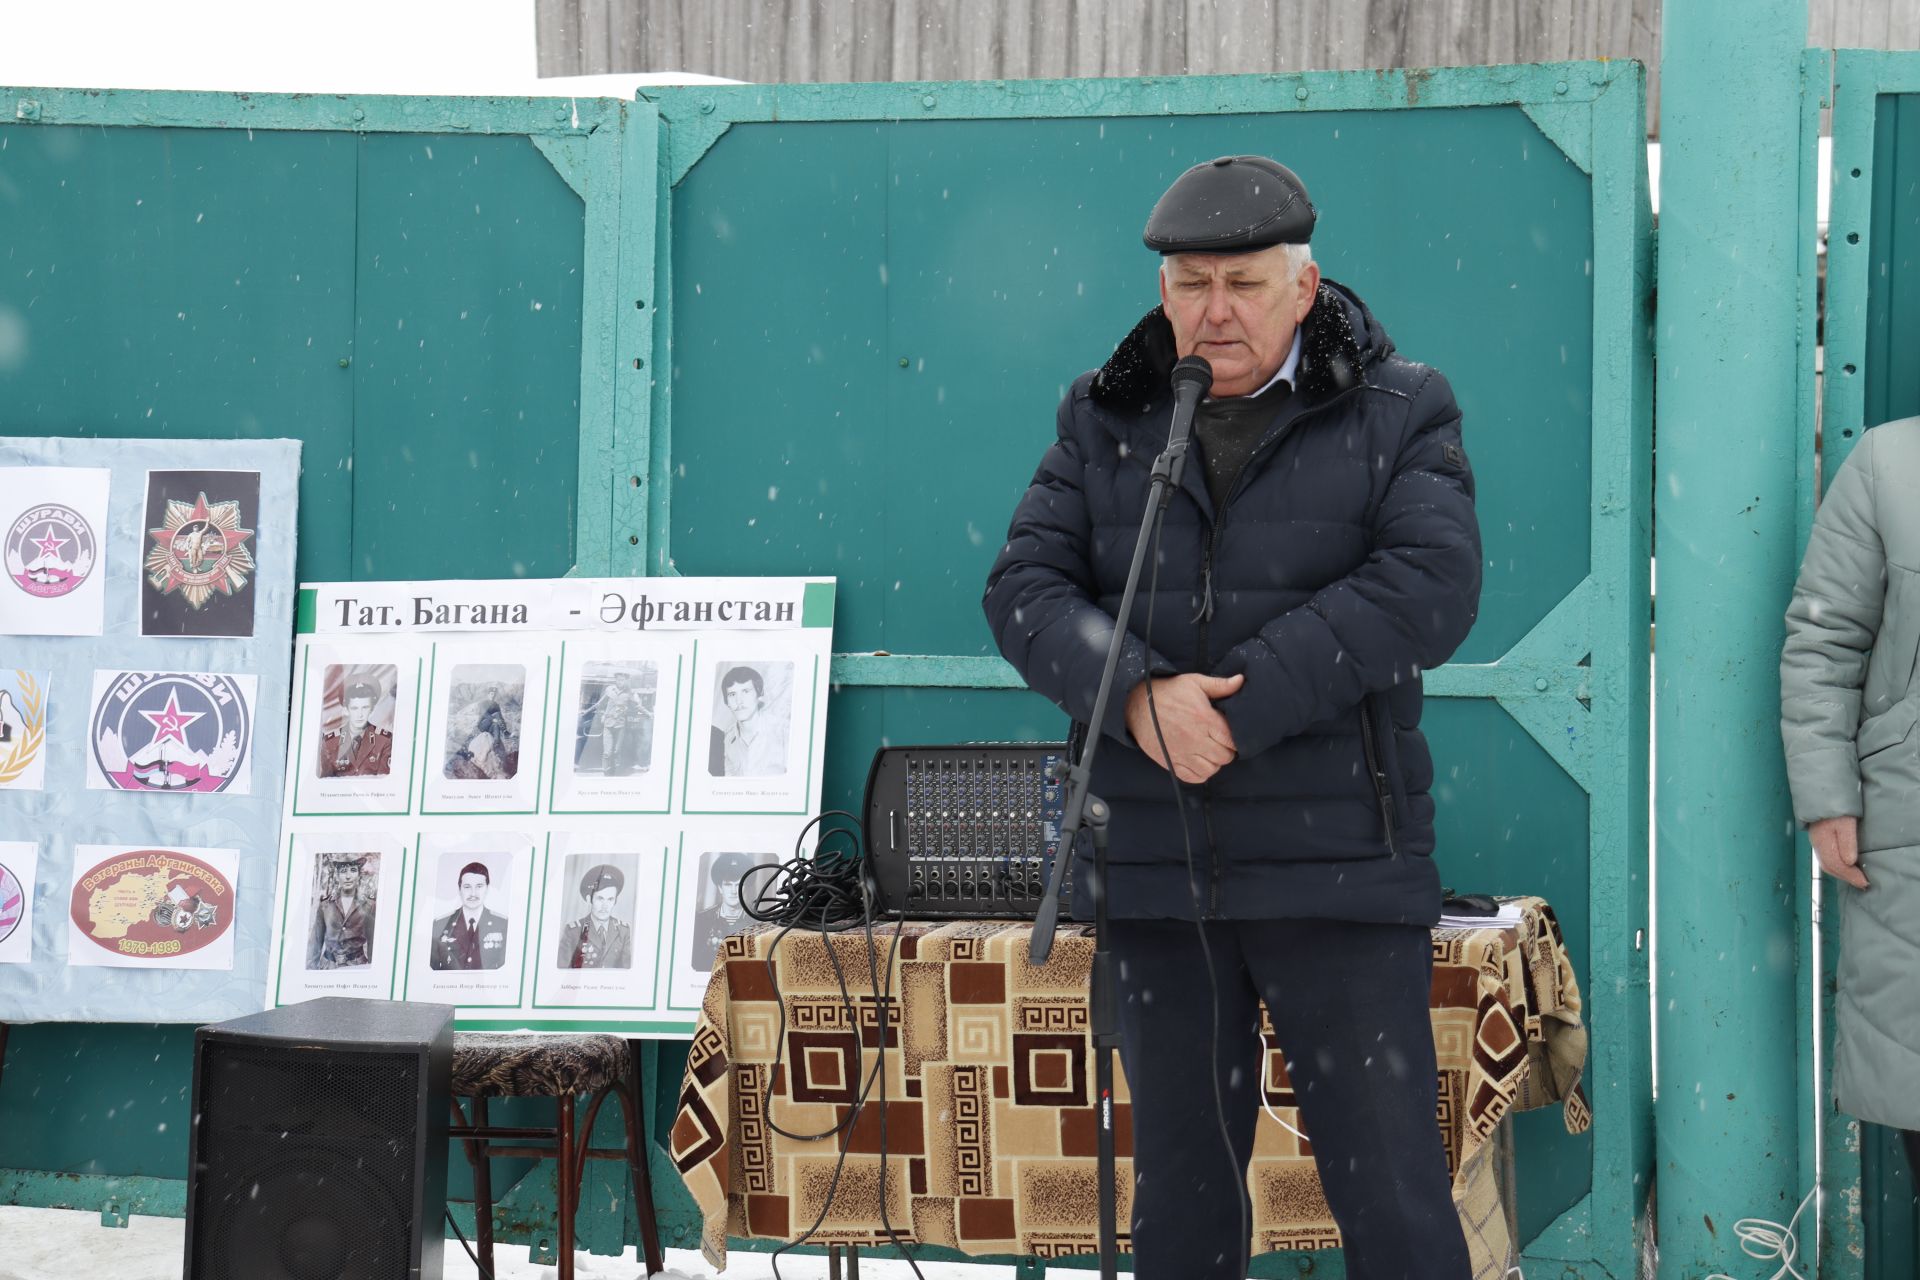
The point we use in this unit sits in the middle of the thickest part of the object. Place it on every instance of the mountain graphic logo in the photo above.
(50, 550)
(171, 731)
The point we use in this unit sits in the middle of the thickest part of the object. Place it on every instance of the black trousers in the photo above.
(1349, 1007)
(1911, 1137)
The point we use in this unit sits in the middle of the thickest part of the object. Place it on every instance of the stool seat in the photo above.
(508, 1065)
(570, 1069)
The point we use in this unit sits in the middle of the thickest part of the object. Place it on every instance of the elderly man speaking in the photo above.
(1271, 829)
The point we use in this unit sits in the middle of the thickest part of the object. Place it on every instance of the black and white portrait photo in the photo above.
(357, 706)
(752, 710)
(596, 892)
(613, 727)
(718, 892)
(483, 722)
(345, 907)
(473, 935)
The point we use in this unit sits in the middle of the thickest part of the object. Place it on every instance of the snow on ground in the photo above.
(57, 1244)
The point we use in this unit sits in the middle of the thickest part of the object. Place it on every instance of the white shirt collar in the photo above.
(1288, 368)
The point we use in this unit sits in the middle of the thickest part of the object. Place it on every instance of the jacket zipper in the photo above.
(1382, 787)
(1206, 617)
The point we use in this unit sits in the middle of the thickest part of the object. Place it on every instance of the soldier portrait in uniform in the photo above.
(356, 721)
(613, 734)
(346, 889)
(720, 910)
(483, 722)
(600, 933)
(752, 707)
(471, 936)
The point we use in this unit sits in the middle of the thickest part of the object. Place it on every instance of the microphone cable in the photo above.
(1238, 1178)
(830, 892)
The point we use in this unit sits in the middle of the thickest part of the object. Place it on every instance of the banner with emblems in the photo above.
(146, 618)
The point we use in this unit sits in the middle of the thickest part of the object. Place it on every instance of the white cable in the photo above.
(1261, 1085)
(1768, 1241)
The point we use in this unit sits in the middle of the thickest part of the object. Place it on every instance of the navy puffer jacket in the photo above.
(1344, 563)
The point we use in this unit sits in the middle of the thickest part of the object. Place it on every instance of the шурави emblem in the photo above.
(50, 550)
(173, 731)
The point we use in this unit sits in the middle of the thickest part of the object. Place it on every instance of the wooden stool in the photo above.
(565, 1068)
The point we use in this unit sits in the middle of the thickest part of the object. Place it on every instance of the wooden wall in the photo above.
(848, 40)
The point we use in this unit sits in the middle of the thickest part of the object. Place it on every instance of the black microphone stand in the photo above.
(1191, 378)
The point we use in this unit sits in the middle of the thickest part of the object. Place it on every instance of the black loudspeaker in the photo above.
(319, 1145)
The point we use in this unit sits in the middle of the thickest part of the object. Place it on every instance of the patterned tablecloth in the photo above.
(989, 1122)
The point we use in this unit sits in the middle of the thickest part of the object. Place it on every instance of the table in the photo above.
(990, 1127)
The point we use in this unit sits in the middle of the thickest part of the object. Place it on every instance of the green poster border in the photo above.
(653, 1005)
(813, 715)
(539, 761)
(413, 933)
(300, 768)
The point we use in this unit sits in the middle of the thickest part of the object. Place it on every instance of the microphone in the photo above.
(1192, 378)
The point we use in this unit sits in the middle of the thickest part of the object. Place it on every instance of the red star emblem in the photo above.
(200, 550)
(172, 722)
(49, 544)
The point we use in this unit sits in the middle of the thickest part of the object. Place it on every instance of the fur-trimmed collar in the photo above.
(1333, 356)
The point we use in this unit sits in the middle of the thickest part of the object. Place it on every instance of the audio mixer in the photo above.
(966, 832)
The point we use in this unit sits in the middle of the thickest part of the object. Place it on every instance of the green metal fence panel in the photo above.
(872, 298)
(421, 290)
(1872, 326)
(187, 282)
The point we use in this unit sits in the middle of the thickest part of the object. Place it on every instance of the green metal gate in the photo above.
(874, 296)
(421, 290)
(823, 329)
(1873, 326)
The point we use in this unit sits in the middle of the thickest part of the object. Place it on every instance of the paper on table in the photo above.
(1505, 918)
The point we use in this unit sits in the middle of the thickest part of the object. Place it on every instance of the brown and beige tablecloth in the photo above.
(989, 1116)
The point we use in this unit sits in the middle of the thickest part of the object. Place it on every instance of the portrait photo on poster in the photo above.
(482, 748)
(354, 731)
(614, 751)
(717, 886)
(53, 527)
(24, 697)
(613, 724)
(199, 556)
(152, 907)
(171, 731)
(19, 868)
(596, 892)
(469, 919)
(346, 909)
(751, 742)
(485, 702)
(357, 705)
(752, 712)
(602, 907)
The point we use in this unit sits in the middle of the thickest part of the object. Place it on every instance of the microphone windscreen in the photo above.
(1194, 369)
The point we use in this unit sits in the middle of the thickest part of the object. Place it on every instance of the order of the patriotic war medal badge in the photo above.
(199, 564)
(172, 731)
(50, 550)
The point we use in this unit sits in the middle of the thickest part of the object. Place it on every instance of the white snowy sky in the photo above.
(271, 46)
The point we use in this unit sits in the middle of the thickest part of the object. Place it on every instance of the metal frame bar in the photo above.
(1593, 720)
(584, 140)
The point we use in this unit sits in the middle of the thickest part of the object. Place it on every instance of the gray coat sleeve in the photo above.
(1831, 626)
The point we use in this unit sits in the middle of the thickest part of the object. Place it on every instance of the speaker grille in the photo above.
(306, 1164)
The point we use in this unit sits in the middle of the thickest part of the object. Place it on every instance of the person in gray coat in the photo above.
(1849, 700)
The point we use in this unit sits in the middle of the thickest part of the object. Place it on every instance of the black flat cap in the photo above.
(1236, 204)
